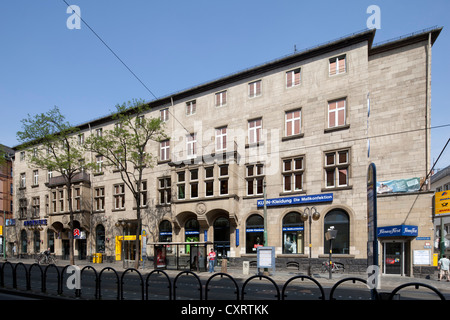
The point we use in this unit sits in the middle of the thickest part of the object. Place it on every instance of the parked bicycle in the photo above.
(335, 267)
(45, 258)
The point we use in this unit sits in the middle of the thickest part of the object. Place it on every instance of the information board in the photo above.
(266, 257)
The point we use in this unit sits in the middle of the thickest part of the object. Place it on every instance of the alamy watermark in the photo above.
(74, 20)
(374, 20)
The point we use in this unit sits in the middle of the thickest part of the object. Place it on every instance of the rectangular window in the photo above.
(77, 198)
(23, 208)
(119, 196)
(293, 170)
(35, 177)
(254, 131)
(99, 162)
(191, 145)
(255, 179)
(191, 107)
(164, 114)
(336, 113)
(23, 182)
(223, 179)
(337, 65)
(61, 200)
(209, 181)
(293, 122)
(164, 190)
(221, 139)
(164, 153)
(181, 187)
(54, 202)
(337, 165)
(221, 98)
(254, 89)
(35, 203)
(293, 78)
(144, 196)
(99, 199)
(99, 132)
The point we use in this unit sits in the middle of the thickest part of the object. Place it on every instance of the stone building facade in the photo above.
(298, 125)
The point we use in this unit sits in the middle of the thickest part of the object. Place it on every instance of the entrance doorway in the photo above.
(396, 257)
(222, 237)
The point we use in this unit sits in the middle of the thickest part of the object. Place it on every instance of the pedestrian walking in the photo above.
(443, 265)
(212, 259)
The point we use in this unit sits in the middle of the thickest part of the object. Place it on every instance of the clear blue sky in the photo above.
(175, 45)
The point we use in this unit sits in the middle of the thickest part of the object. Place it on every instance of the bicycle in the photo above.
(335, 267)
(42, 258)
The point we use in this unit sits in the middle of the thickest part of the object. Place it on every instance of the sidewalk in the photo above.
(387, 282)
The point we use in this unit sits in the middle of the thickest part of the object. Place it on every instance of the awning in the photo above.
(398, 231)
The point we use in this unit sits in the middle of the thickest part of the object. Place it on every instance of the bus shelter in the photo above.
(181, 255)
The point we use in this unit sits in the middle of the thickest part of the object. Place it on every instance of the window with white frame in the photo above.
(191, 107)
(165, 191)
(337, 164)
(99, 163)
(255, 179)
(164, 114)
(99, 132)
(254, 131)
(119, 196)
(164, 153)
(221, 98)
(293, 170)
(293, 78)
(221, 139)
(191, 145)
(337, 113)
(293, 122)
(337, 65)
(35, 177)
(99, 199)
(23, 181)
(254, 89)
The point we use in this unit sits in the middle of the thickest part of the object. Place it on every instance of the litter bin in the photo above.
(97, 258)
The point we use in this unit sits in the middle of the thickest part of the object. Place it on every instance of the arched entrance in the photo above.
(254, 233)
(222, 236)
(339, 219)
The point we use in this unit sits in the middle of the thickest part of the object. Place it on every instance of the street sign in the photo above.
(442, 203)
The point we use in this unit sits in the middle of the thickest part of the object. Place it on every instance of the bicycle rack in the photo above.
(44, 282)
(354, 280)
(167, 277)
(221, 275)
(100, 282)
(176, 279)
(96, 280)
(416, 285)
(283, 295)
(260, 277)
(140, 276)
(28, 286)
(42, 275)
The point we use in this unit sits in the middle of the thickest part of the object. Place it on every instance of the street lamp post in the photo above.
(310, 214)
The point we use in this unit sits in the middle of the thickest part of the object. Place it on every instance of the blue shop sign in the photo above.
(30, 223)
(398, 231)
(315, 198)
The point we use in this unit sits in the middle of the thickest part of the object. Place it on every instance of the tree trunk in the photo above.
(71, 251)
(138, 233)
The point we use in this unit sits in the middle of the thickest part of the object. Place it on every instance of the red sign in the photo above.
(76, 232)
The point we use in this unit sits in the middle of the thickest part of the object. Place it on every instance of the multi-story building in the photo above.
(296, 129)
(6, 195)
(440, 183)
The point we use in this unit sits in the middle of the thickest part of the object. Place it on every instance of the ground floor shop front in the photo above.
(298, 233)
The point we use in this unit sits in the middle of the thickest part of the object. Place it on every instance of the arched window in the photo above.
(293, 233)
(100, 239)
(254, 233)
(51, 240)
(191, 230)
(340, 221)
(165, 231)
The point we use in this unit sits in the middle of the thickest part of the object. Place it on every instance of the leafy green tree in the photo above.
(51, 144)
(125, 149)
